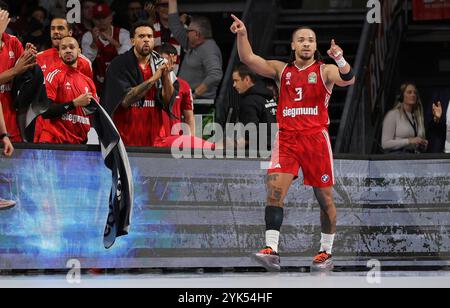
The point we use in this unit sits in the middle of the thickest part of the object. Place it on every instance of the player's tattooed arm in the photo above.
(139, 92)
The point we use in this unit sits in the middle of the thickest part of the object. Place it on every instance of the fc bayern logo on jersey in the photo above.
(312, 78)
(325, 178)
(12, 55)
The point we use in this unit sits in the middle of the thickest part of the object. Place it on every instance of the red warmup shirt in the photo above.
(183, 102)
(141, 126)
(304, 99)
(63, 85)
(10, 52)
(49, 59)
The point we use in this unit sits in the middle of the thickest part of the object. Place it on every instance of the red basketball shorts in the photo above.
(312, 153)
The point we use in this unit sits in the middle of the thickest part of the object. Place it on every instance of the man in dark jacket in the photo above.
(258, 106)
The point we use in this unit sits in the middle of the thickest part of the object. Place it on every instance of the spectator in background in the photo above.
(68, 91)
(104, 43)
(436, 120)
(202, 63)
(87, 20)
(258, 105)
(435, 128)
(403, 127)
(37, 29)
(159, 17)
(135, 13)
(56, 8)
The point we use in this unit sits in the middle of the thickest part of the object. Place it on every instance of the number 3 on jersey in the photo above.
(299, 94)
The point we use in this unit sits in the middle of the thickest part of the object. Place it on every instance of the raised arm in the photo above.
(269, 69)
(342, 74)
(175, 25)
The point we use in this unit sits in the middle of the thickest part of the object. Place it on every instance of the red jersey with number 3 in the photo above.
(304, 99)
(63, 85)
(10, 52)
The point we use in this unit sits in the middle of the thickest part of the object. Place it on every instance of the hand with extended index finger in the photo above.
(437, 111)
(335, 51)
(238, 27)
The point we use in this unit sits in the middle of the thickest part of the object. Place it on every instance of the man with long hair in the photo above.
(306, 84)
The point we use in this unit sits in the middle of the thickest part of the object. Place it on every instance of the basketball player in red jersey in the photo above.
(59, 29)
(48, 59)
(306, 85)
(14, 61)
(142, 125)
(68, 91)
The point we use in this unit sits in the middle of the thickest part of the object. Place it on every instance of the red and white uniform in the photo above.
(10, 52)
(184, 102)
(141, 126)
(49, 58)
(63, 85)
(303, 140)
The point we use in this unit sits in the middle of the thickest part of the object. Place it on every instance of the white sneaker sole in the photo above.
(326, 266)
(264, 260)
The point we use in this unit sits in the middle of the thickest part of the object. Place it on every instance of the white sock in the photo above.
(272, 239)
(326, 243)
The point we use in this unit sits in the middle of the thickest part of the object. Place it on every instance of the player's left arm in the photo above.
(342, 74)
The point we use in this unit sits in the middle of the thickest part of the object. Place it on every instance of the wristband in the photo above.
(341, 62)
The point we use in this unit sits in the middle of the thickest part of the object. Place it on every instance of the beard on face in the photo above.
(71, 62)
(306, 58)
(145, 51)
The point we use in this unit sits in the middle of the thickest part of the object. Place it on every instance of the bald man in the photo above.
(68, 91)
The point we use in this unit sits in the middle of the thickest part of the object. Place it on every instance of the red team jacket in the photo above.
(64, 84)
(49, 58)
(304, 99)
(10, 52)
